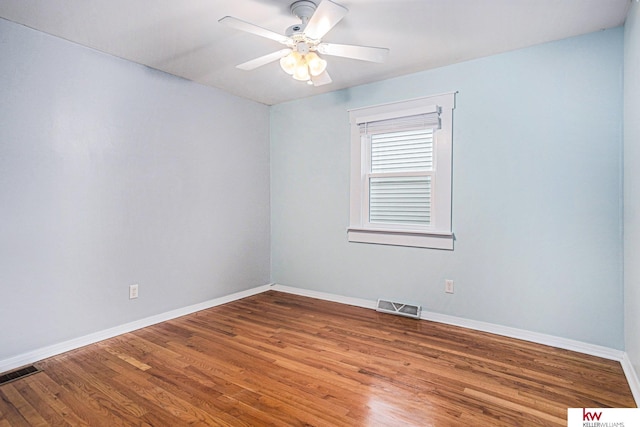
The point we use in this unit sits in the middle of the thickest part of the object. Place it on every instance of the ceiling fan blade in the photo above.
(363, 53)
(326, 16)
(241, 25)
(322, 79)
(263, 60)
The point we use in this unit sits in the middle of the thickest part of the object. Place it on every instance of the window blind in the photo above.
(400, 200)
(416, 121)
(405, 146)
(402, 151)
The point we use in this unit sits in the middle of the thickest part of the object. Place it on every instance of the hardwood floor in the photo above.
(285, 360)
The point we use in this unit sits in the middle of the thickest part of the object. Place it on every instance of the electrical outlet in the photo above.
(448, 286)
(133, 291)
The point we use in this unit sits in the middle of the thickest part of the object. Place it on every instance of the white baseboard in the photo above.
(52, 350)
(358, 302)
(550, 340)
(522, 334)
(567, 344)
(632, 377)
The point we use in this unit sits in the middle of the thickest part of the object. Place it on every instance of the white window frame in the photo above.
(438, 235)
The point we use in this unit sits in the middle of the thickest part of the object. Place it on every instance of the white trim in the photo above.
(632, 377)
(386, 114)
(386, 230)
(567, 344)
(55, 349)
(521, 334)
(401, 238)
(386, 105)
(360, 229)
(358, 302)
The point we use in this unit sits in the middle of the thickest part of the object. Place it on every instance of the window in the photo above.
(401, 173)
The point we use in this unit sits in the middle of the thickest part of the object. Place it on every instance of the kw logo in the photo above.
(590, 416)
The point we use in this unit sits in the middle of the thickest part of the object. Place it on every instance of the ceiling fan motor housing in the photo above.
(303, 9)
(295, 30)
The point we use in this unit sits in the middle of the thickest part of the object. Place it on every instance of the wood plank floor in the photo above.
(285, 360)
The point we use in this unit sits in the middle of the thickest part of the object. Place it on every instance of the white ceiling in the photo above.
(183, 37)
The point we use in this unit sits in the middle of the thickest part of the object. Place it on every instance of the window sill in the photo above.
(432, 240)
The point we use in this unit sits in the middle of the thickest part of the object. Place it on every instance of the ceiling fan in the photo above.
(303, 42)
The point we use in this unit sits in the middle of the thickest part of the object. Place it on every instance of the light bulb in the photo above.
(289, 62)
(317, 65)
(302, 71)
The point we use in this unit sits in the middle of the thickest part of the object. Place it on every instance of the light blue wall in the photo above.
(632, 185)
(537, 193)
(112, 174)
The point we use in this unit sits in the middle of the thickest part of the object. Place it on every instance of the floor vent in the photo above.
(401, 309)
(18, 373)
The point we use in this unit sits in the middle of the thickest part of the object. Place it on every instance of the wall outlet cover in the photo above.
(448, 286)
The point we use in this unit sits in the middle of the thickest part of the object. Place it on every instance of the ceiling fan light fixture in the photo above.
(316, 64)
(303, 66)
(290, 62)
(302, 71)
